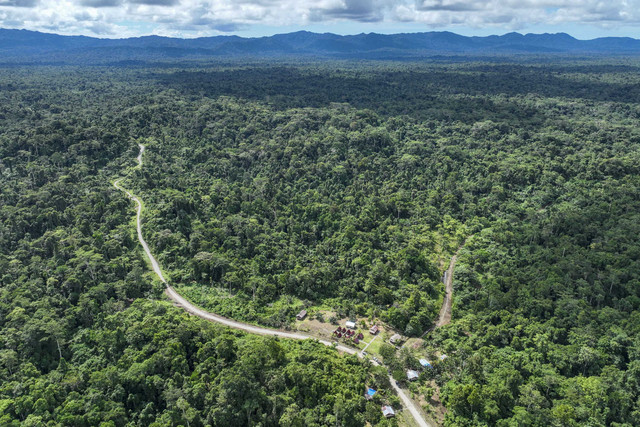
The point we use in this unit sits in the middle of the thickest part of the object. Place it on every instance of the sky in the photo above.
(583, 19)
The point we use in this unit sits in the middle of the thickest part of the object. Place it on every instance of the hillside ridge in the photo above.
(32, 46)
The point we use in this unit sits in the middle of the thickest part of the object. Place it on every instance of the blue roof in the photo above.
(371, 392)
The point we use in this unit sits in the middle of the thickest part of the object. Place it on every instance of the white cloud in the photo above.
(196, 17)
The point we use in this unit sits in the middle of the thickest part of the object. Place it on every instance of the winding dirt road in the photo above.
(190, 308)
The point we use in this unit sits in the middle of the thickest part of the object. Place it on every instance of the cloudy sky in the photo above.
(583, 19)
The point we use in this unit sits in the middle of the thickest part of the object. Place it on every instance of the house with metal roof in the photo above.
(350, 324)
(388, 411)
(396, 338)
(412, 375)
(425, 363)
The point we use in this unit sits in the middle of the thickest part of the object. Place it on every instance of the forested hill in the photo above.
(32, 47)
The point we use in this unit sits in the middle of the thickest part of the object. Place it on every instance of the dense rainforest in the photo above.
(341, 187)
(86, 338)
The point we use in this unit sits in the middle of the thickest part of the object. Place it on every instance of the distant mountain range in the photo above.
(22, 46)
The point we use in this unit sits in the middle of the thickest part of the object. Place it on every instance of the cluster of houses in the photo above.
(349, 334)
(412, 375)
(387, 410)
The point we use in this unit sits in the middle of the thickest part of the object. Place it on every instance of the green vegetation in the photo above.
(81, 344)
(150, 364)
(344, 188)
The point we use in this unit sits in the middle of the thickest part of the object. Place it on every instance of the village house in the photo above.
(396, 338)
(412, 375)
(350, 324)
(370, 393)
(388, 411)
(373, 330)
(425, 363)
(301, 315)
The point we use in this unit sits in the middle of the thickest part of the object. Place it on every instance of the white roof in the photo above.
(425, 362)
(444, 356)
(350, 324)
(388, 410)
(412, 375)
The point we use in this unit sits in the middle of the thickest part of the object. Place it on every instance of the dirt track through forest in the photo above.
(445, 310)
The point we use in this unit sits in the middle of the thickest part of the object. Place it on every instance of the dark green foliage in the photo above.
(262, 204)
(152, 364)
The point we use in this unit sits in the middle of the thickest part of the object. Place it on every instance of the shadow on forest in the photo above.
(417, 91)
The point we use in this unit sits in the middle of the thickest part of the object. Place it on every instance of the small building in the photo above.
(388, 411)
(412, 375)
(350, 324)
(443, 357)
(425, 363)
(370, 393)
(356, 341)
(374, 330)
(360, 336)
(301, 315)
(396, 338)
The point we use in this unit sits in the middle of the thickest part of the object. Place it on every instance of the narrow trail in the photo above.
(196, 311)
(445, 311)
(444, 318)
